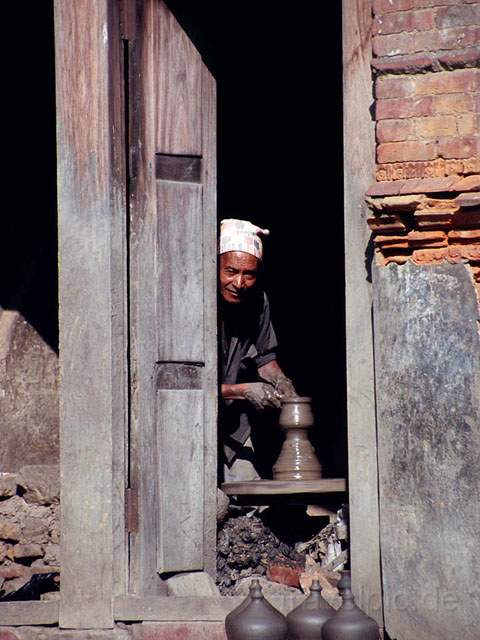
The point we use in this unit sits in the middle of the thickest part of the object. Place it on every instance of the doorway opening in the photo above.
(280, 164)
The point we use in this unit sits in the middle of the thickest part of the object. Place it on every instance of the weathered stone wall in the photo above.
(29, 525)
(28, 394)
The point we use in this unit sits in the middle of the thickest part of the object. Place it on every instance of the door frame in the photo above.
(93, 342)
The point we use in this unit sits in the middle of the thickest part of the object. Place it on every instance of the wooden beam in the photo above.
(185, 609)
(284, 487)
(91, 210)
(17, 614)
(359, 159)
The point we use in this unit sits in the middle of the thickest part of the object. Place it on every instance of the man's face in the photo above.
(238, 274)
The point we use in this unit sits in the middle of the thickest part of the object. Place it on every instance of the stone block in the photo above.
(4, 550)
(467, 124)
(459, 58)
(389, 6)
(429, 256)
(28, 551)
(13, 507)
(459, 15)
(391, 242)
(393, 45)
(452, 103)
(195, 583)
(435, 3)
(10, 530)
(458, 252)
(405, 151)
(29, 426)
(423, 185)
(459, 147)
(431, 219)
(34, 530)
(289, 576)
(441, 39)
(467, 200)
(431, 127)
(428, 238)
(385, 224)
(223, 502)
(394, 108)
(269, 588)
(8, 485)
(459, 81)
(11, 571)
(395, 130)
(407, 203)
(470, 183)
(41, 483)
(464, 236)
(394, 87)
(52, 554)
(410, 64)
(401, 21)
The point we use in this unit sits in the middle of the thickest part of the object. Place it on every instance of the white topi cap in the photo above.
(241, 235)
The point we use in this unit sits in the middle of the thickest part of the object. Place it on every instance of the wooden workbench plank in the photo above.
(284, 487)
(184, 609)
(17, 614)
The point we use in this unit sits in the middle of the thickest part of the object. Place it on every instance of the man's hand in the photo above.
(262, 395)
(272, 374)
(284, 387)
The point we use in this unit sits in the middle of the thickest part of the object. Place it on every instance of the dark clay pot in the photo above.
(306, 621)
(349, 622)
(255, 619)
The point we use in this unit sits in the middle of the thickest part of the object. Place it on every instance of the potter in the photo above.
(251, 378)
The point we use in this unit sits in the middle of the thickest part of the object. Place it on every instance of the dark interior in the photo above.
(28, 236)
(279, 76)
(280, 164)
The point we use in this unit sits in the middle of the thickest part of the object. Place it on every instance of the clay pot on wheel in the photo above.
(297, 459)
(255, 619)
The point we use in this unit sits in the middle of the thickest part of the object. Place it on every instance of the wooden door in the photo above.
(172, 281)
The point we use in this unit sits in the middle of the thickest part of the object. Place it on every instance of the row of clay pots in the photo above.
(314, 619)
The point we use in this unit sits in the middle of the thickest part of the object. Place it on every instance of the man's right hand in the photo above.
(262, 395)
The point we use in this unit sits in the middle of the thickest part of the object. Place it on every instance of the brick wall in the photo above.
(427, 87)
(427, 111)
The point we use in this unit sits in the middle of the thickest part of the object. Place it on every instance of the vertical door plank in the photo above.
(173, 284)
(143, 577)
(179, 272)
(119, 303)
(359, 158)
(210, 381)
(180, 449)
(91, 208)
(178, 81)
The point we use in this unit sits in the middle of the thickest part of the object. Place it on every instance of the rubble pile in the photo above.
(29, 526)
(246, 547)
